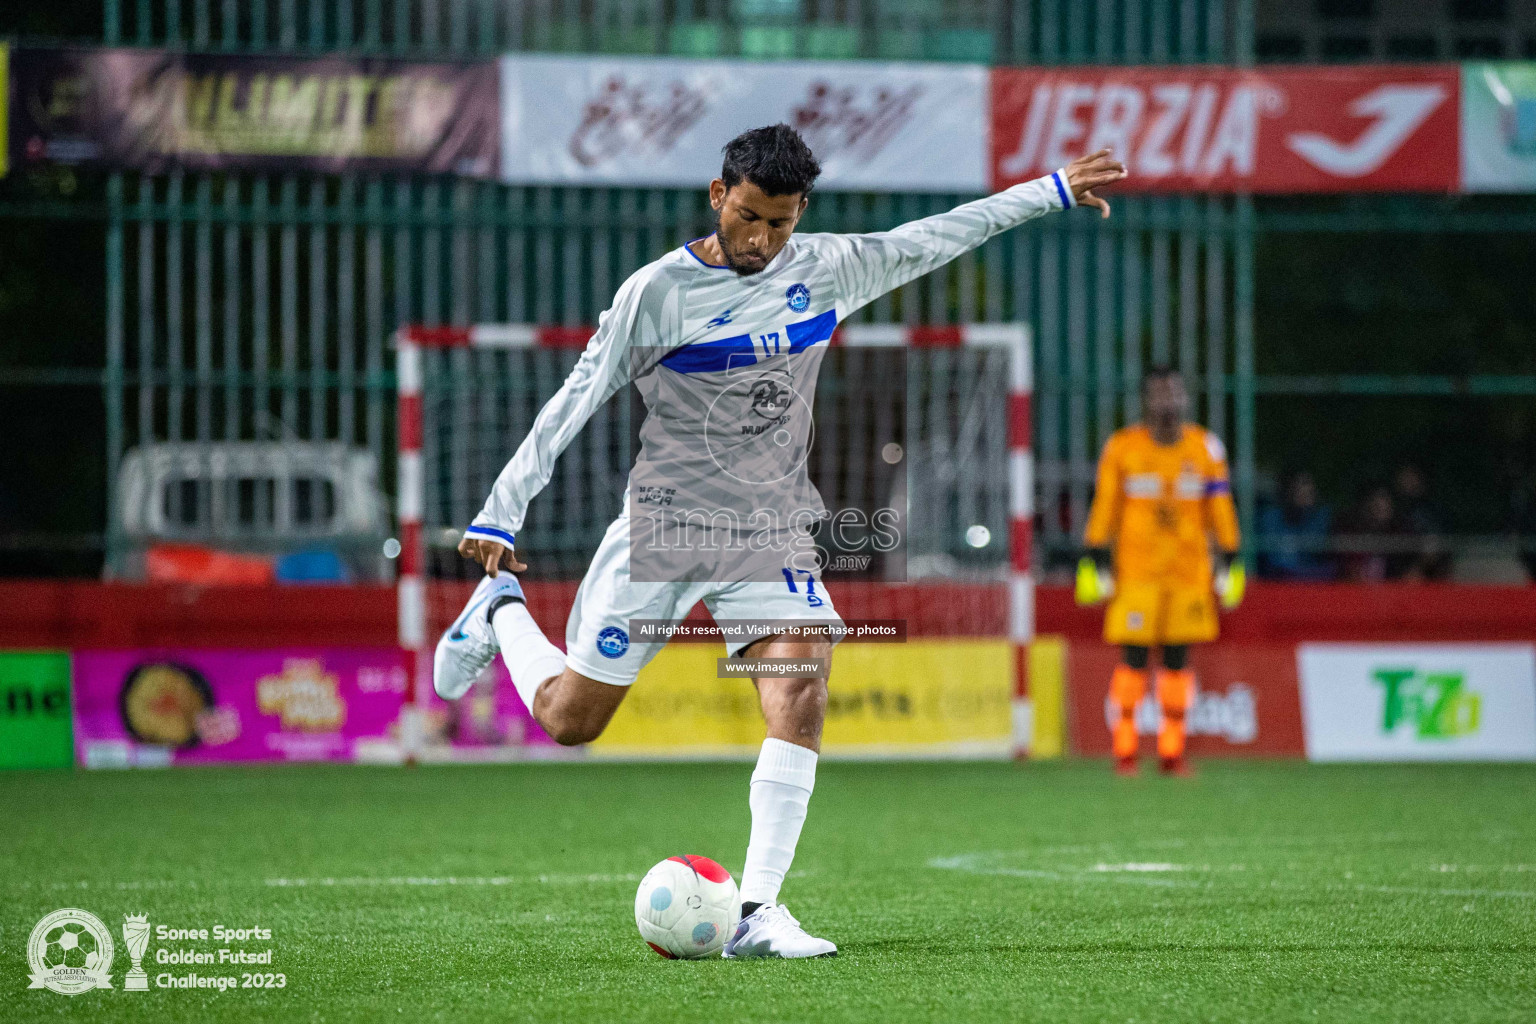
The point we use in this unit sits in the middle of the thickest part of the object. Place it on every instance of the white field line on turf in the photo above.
(1258, 842)
(1144, 874)
(357, 881)
(411, 880)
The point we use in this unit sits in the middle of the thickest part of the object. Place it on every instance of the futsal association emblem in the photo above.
(70, 952)
(798, 297)
(612, 642)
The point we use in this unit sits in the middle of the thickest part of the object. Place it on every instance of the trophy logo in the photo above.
(136, 938)
(70, 952)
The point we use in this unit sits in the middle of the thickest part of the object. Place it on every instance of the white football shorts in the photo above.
(597, 635)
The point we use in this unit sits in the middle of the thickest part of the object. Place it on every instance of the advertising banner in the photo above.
(489, 723)
(1498, 127)
(195, 706)
(153, 110)
(1419, 702)
(662, 121)
(1245, 702)
(34, 710)
(1277, 130)
(922, 698)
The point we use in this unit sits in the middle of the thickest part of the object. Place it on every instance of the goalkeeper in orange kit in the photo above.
(1163, 498)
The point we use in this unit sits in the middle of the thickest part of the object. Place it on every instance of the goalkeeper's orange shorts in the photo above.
(1152, 615)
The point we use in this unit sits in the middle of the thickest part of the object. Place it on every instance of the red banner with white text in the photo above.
(1390, 128)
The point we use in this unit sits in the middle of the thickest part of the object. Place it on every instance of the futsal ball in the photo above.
(687, 907)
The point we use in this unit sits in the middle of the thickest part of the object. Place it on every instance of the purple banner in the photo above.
(156, 110)
(158, 707)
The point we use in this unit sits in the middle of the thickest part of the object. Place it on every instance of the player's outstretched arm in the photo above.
(866, 266)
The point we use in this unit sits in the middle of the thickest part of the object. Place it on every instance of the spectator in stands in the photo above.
(1294, 533)
(1417, 518)
(1372, 541)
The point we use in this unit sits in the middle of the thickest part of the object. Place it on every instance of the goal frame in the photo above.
(411, 340)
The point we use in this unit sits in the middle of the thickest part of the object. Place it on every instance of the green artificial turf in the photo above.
(957, 892)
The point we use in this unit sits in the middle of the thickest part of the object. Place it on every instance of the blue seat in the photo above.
(313, 565)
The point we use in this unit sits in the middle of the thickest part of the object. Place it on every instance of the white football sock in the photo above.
(780, 794)
(529, 655)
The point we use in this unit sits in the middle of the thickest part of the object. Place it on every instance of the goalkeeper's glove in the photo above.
(1095, 583)
(1231, 581)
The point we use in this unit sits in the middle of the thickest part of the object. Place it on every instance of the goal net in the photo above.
(927, 426)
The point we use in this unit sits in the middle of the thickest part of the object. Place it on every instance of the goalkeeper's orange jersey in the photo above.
(1160, 506)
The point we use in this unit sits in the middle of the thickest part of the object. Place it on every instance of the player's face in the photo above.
(1166, 400)
(751, 225)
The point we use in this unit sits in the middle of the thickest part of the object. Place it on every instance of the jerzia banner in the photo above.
(1273, 130)
(155, 110)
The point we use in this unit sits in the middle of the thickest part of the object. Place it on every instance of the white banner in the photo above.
(1418, 702)
(1498, 127)
(663, 121)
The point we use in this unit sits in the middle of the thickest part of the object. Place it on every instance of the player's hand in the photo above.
(1095, 170)
(491, 554)
(1094, 585)
(1231, 583)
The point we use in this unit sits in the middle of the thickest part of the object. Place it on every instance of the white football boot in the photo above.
(469, 646)
(770, 931)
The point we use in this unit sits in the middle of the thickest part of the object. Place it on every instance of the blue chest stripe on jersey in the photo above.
(728, 353)
(710, 356)
(808, 332)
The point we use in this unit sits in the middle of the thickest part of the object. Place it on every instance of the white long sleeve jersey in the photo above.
(727, 365)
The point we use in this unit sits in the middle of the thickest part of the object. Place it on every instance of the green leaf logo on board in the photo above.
(1433, 705)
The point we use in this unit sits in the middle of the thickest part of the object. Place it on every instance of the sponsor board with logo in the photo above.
(157, 110)
(34, 710)
(1498, 127)
(1419, 702)
(1377, 128)
(1245, 700)
(930, 697)
(144, 707)
(187, 706)
(661, 121)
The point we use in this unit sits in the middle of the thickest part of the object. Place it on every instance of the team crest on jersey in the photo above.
(612, 642)
(798, 297)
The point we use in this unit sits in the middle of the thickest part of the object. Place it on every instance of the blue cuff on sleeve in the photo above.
(1059, 179)
(489, 533)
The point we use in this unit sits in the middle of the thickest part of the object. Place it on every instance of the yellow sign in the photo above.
(1047, 696)
(942, 698)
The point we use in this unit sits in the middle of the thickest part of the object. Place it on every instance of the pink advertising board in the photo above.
(179, 706)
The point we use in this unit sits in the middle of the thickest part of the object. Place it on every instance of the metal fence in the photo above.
(258, 306)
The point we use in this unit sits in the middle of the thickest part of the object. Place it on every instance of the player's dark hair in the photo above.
(1158, 371)
(775, 159)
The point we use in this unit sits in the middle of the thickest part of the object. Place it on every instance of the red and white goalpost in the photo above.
(413, 343)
